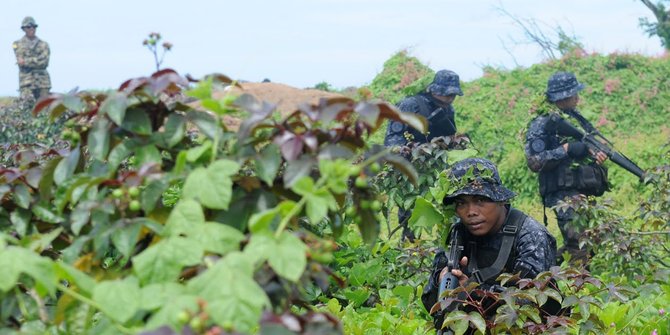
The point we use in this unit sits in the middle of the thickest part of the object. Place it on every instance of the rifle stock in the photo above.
(449, 281)
(565, 128)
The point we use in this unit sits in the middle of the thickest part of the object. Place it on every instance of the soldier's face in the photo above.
(447, 100)
(480, 215)
(568, 103)
(30, 31)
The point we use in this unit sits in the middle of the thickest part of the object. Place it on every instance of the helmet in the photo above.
(28, 21)
(562, 85)
(445, 83)
(476, 176)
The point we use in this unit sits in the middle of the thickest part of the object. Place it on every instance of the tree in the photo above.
(661, 28)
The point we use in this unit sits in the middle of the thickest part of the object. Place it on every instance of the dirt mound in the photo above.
(285, 97)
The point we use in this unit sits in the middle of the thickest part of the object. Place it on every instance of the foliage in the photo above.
(401, 76)
(19, 128)
(85, 228)
(661, 27)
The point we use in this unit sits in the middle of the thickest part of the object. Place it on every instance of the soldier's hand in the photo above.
(462, 278)
(599, 156)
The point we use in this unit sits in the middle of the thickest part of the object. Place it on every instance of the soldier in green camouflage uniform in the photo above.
(32, 57)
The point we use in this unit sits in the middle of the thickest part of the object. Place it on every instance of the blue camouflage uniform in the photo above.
(534, 248)
(546, 155)
(440, 116)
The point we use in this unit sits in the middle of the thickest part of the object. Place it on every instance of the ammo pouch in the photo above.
(588, 179)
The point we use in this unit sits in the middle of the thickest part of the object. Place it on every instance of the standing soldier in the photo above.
(435, 105)
(566, 167)
(32, 57)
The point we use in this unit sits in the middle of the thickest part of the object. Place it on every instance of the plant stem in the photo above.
(93, 304)
(22, 305)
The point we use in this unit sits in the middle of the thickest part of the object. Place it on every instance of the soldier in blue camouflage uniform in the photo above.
(32, 57)
(436, 106)
(556, 158)
(486, 221)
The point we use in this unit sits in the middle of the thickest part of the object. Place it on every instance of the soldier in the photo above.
(566, 169)
(32, 57)
(435, 106)
(496, 237)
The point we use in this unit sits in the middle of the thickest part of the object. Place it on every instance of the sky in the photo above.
(98, 44)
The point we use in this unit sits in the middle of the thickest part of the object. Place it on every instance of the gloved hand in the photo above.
(577, 150)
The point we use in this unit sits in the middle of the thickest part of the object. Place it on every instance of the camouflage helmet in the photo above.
(476, 176)
(445, 83)
(562, 85)
(28, 21)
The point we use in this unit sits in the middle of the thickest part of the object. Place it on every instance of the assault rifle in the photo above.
(449, 281)
(565, 128)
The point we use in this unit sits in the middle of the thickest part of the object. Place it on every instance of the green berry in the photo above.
(350, 211)
(75, 137)
(134, 205)
(183, 317)
(354, 170)
(365, 204)
(134, 191)
(69, 123)
(375, 205)
(117, 193)
(66, 134)
(361, 182)
(196, 324)
(375, 167)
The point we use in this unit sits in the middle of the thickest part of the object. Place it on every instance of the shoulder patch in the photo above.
(15, 46)
(537, 145)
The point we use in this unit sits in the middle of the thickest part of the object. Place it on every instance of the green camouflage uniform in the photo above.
(34, 80)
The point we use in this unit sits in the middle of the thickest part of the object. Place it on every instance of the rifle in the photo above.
(565, 128)
(449, 281)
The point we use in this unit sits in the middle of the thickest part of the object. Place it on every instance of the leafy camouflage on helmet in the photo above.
(28, 21)
(562, 85)
(445, 83)
(475, 176)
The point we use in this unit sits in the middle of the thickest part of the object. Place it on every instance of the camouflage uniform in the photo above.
(440, 117)
(440, 122)
(546, 155)
(533, 251)
(34, 80)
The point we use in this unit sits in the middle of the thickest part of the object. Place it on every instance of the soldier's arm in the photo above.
(40, 60)
(538, 156)
(536, 250)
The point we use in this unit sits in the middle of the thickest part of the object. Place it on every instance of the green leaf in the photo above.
(212, 187)
(173, 131)
(75, 277)
(425, 215)
(156, 295)
(163, 261)
(98, 139)
(125, 238)
(268, 163)
(263, 221)
(286, 255)
(137, 121)
(65, 169)
(478, 321)
(186, 214)
(46, 215)
(233, 296)
(168, 314)
(120, 152)
(147, 154)
(217, 237)
(15, 260)
(152, 193)
(196, 153)
(22, 197)
(203, 90)
(118, 299)
(206, 122)
(46, 187)
(115, 107)
(20, 218)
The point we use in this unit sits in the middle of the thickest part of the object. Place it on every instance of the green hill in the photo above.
(626, 97)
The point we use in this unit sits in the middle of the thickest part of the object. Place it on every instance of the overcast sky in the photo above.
(98, 44)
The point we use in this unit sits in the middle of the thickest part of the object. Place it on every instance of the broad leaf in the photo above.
(212, 187)
(285, 254)
(119, 299)
(425, 215)
(137, 121)
(15, 260)
(65, 169)
(163, 261)
(115, 107)
(98, 139)
(267, 163)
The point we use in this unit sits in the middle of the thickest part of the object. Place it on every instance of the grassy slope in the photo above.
(625, 98)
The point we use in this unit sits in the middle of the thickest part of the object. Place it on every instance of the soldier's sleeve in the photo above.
(538, 156)
(395, 133)
(41, 58)
(536, 249)
(429, 296)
